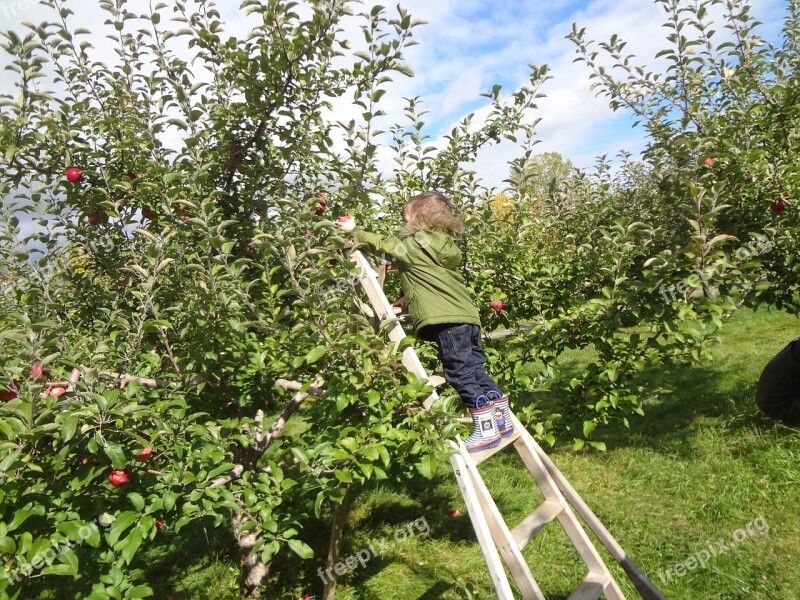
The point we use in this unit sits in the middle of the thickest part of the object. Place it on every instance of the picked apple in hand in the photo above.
(346, 223)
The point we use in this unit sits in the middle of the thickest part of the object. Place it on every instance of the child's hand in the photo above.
(400, 303)
(346, 223)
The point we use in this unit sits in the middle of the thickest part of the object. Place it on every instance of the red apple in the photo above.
(118, 478)
(497, 305)
(323, 204)
(131, 175)
(778, 205)
(347, 223)
(197, 380)
(172, 597)
(37, 372)
(74, 175)
(6, 395)
(144, 454)
(94, 219)
(709, 162)
(57, 391)
(455, 513)
(148, 214)
(159, 524)
(185, 218)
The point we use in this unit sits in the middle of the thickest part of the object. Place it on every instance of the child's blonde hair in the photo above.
(431, 210)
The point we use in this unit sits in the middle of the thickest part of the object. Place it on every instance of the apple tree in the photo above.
(174, 290)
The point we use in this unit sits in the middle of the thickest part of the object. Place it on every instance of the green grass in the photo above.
(701, 464)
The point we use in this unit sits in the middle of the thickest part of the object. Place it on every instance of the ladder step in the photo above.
(436, 381)
(591, 588)
(535, 522)
(479, 457)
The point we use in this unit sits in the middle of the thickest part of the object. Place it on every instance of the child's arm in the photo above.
(391, 245)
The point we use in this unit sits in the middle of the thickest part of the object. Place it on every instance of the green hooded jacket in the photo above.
(428, 260)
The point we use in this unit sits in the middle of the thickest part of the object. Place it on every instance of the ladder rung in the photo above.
(591, 588)
(436, 381)
(535, 522)
(479, 457)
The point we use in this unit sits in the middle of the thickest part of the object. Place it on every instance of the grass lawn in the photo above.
(702, 468)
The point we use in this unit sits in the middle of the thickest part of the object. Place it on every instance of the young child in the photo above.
(428, 259)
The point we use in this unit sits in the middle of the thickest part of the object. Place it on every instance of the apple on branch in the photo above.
(778, 205)
(118, 477)
(497, 305)
(144, 454)
(74, 175)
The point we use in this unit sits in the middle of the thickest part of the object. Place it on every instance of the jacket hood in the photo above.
(451, 225)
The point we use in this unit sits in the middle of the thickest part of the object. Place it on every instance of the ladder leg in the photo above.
(502, 536)
(481, 528)
(527, 448)
(646, 588)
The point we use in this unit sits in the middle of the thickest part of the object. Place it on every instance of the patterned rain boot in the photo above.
(502, 413)
(484, 428)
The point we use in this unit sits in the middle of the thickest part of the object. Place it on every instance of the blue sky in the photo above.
(468, 45)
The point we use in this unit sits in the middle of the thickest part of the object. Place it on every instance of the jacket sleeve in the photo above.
(391, 245)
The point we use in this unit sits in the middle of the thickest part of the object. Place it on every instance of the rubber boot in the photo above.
(502, 413)
(484, 428)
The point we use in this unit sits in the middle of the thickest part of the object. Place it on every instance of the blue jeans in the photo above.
(462, 358)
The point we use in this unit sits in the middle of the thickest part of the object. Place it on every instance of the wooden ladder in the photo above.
(494, 536)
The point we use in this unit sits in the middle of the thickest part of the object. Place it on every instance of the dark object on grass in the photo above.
(778, 394)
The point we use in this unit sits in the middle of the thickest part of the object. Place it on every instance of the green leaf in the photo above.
(130, 545)
(344, 475)
(58, 570)
(169, 498)
(121, 523)
(302, 549)
(137, 500)
(115, 454)
(7, 545)
(315, 354)
(140, 591)
(427, 466)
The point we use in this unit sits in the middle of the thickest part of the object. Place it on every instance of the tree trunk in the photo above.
(255, 571)
(337, 538)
